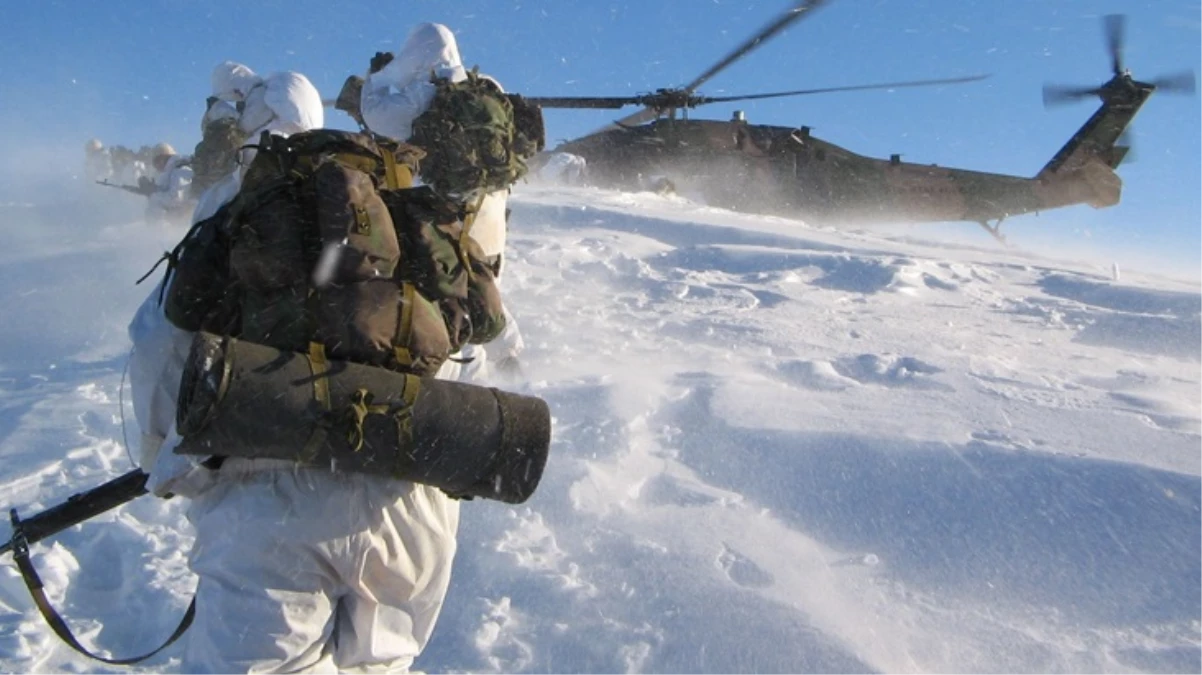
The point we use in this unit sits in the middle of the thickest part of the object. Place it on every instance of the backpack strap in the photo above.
(403, 356)
(465, 233)
(318, 365)
(396, 175)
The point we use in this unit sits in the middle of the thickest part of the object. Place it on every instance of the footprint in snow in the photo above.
(889, 370)
(817, 375)
(742, 570)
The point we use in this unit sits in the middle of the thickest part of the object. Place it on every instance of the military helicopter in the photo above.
(788, 171)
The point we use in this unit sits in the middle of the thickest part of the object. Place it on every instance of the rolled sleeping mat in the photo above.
(242, 399)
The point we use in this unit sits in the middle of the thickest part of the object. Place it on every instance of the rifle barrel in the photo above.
(78, 508)
(137, 190)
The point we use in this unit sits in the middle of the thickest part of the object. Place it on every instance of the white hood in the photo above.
(220, 110)
(429, 49)
(233, 81)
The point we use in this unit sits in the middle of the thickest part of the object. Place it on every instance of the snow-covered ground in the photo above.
(776, 449)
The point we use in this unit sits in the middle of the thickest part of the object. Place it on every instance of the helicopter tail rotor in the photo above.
(1177, 83)
(1121, 87)
(1115, 26)
(1057, 94)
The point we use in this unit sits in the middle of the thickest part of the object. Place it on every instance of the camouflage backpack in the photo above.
(326, 246)
(216, 155)
(477, 139)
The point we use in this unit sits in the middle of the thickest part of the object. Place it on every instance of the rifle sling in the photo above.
(33, 582)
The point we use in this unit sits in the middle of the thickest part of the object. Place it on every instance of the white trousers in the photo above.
(305, 570)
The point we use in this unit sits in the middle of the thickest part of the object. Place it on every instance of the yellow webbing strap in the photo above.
(359, 408)
(404, 418)
(396, 176)
(400, 176)
(466, 232)
(413, 384)
(318, 365)
(362, 404)
(404, 332)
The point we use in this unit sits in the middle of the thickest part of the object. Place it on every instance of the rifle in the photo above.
(348, 100)
(144, 188)
(78, 508)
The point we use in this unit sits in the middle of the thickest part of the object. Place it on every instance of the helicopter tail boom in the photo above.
(1099, 140)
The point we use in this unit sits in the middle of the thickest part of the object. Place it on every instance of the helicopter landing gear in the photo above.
(995, 230)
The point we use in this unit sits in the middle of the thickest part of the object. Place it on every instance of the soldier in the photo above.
(564, 168)
(128, 168)
(281, 103)
(97, 164)
(396, 91)
(169, 197)
(301, 569)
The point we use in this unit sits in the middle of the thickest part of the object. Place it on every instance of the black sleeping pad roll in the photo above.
(241, 399)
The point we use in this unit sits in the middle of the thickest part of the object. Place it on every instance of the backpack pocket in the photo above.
(270, 250)
(428, 229)
(423, 342)
(478, 316)
(446, 265)
(377, 322)
(351, 214)
(198, 293)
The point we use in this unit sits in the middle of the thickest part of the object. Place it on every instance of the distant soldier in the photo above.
(97, 165)
(564, 168)
(168, 194)
(280, 103)
(145, 156)
(659, 184)
(127, 167)
(170, 197)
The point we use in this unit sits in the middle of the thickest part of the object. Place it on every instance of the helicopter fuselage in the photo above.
(788, 171)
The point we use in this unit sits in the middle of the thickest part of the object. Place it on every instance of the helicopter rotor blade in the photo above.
(1116, 30)
(1177, 83)
(1054, 94)
(644, 115)
(701, 100)
(597, 102)
(799, 9)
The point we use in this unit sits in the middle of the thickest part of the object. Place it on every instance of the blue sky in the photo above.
(138, 72)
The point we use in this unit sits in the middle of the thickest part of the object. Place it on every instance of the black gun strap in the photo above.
(34, 583)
